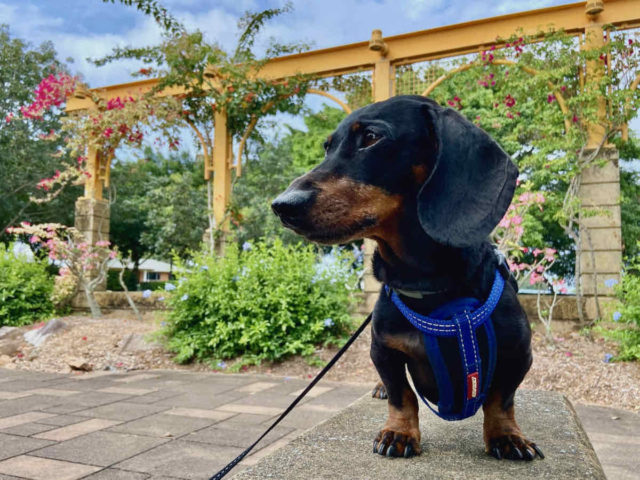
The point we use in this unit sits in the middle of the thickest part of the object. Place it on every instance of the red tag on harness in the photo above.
(472, 385)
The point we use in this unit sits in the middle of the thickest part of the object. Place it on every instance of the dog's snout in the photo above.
(291, 204)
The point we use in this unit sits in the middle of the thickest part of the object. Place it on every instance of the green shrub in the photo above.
(153, 286)
(261, 302)
(628, 313)
(25, 289)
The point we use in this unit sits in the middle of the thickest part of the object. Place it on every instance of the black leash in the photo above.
(318, 377)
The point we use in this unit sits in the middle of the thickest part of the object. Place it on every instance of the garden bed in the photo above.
(574, 365)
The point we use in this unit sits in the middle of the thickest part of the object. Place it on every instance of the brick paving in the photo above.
(163, 425)
(156, 425)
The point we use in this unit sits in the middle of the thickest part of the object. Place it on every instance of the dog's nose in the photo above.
(291, 204)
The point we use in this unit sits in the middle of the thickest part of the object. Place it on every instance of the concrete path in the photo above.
(179, 425)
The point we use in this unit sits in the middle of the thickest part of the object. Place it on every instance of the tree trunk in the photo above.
(93, 305)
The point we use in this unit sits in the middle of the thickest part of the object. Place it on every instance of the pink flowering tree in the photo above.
(530, 266)
(66, 246)
(104, 127)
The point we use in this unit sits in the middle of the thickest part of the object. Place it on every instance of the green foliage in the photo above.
(630, 212)
(306, 147)
(25, 289)
(113, 281)
(153, 286)
(158, 205)
(263, 302)
(628, 315)
(24, 157)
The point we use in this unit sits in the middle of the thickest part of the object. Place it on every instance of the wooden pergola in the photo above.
(381, 56)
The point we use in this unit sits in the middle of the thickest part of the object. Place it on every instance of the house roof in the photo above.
(149, 265)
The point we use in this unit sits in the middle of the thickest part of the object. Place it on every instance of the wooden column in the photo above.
(222, 152)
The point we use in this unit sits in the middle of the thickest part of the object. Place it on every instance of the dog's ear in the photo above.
(471, 185)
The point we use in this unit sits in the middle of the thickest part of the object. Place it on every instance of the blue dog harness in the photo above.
(459, 318)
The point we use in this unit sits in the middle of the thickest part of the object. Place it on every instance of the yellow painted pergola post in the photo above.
(383, 85)
(93, 182)
(600, 258)
(222, 155)
(92, 212)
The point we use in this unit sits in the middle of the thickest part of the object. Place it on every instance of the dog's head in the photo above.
(394, 155)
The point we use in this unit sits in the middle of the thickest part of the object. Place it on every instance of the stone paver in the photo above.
(163, 425)
(199, 413)
(99, 448)
(12, 445)
(76, 429)
(36, 468)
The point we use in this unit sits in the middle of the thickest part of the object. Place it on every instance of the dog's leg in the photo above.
(502, 435)
(400, 436)
(379, 391)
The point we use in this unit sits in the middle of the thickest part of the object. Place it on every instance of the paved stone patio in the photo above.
(161, 425)
(149, 425)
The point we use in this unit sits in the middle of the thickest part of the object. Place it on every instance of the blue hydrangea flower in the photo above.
(169, 287)
(617, 316)
(328, 322)
(246, 246)
(222, 365)
(610, 282)
(161, 299)
(204, 267)
(184, 297)
(607, 357)
(146, 293)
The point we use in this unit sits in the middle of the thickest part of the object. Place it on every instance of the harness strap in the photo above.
(460, 318)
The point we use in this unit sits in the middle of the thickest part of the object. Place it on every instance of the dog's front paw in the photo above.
(380, 391)
(513, 447)
(396, 444)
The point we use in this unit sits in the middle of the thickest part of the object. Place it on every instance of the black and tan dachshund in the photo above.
(429, 187)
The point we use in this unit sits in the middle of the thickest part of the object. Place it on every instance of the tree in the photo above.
(158, 206)
(25, 155)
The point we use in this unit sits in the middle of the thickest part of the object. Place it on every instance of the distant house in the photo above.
(149, 270)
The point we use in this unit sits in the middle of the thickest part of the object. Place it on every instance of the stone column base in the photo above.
(92, 221)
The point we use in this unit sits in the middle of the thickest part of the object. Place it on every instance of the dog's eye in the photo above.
(325, 145)
(370, 138)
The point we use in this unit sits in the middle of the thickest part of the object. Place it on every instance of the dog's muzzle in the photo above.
(292, 206)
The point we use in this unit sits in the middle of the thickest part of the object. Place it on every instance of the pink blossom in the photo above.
(107, 132)
(8, 118)
(509, 101)
(516, 220)
(536, 252)
(550, 98)
(535, 278)
(34, 239)
(102, 243)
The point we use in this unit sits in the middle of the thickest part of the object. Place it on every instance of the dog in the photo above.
(428, 187)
